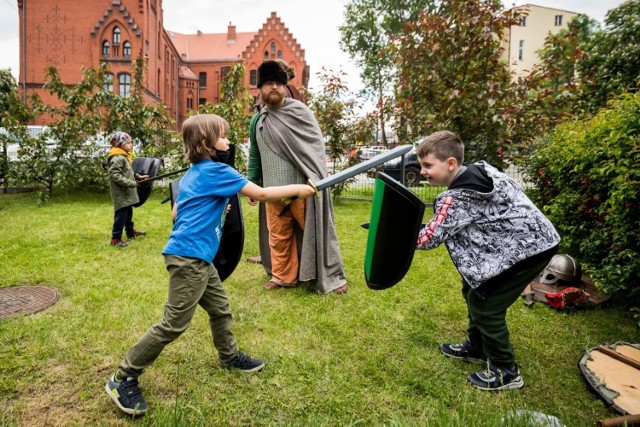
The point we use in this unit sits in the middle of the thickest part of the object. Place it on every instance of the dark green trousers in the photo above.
(487, 307)
(192, 282)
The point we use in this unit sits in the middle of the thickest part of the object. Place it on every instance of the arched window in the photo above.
(116, 35)
(253, 77)
(124, 85)
(107, 82)
(202, 77)
(126, 49)
(266, 54)
(106, 47)
(190, 101)
(273, 48)
(279, 54)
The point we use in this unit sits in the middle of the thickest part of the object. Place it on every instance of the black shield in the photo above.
(145, 166)
(396, 217)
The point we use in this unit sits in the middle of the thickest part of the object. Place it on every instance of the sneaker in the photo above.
(464, 352)
(135, 233)
(244, 363)
(119, 243)
(126, 394)
(495, 379)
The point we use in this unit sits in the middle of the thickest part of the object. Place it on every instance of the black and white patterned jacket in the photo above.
(486, 232)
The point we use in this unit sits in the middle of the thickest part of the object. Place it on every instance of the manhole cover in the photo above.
(25, 299)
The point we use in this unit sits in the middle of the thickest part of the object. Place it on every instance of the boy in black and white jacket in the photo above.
(499, 242)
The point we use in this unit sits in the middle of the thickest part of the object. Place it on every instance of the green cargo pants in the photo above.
(192, 282)
(487, 308)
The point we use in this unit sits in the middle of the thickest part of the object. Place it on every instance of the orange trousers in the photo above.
(285, 261)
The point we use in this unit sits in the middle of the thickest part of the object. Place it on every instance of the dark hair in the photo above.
(442, 145)
(198, 128)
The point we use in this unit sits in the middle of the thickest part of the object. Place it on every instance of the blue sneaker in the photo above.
(126, 394)
(496, 379)
(244, 363)
(464, 352)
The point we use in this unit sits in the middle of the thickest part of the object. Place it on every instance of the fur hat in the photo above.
(272, 71)
(118, 139)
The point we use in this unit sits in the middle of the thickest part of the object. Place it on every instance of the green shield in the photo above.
(396, 217)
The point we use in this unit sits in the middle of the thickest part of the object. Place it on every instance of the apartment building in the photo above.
(524, 40)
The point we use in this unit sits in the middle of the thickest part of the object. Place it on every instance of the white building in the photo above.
(525, 40)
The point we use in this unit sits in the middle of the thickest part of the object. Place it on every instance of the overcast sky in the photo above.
(313, 22)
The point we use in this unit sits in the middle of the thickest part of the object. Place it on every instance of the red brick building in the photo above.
(183, 70)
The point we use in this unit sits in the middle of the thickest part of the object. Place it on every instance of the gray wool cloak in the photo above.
(292, 132)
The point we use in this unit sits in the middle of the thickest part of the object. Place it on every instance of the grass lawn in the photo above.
(364, 358)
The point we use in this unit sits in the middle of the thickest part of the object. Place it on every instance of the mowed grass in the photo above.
(364, 358)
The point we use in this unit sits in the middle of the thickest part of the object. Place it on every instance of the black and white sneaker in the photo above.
(496, 379)
(245, 363)
(464, 352)
(126, 394)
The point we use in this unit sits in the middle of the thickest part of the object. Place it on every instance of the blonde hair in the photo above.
(202, 127)
(442, 145)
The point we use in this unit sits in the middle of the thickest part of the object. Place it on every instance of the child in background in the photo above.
(199, 210)
(122, 184)
(499, 242)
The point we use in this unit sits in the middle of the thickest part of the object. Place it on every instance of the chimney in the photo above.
(231, 33)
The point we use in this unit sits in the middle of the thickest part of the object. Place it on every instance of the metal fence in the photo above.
(362, 186)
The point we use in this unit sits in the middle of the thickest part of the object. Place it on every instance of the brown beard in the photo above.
(273, 98)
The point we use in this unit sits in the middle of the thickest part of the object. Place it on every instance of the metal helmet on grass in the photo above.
(563, 268)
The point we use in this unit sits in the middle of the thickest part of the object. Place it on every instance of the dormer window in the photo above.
(116, 36)
(106, 48)
(126, 49)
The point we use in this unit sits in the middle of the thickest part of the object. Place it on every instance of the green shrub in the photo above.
(587, 179)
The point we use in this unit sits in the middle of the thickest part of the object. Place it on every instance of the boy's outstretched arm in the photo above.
(273, 194)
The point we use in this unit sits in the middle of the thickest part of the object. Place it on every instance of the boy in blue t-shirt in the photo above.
(199, 214)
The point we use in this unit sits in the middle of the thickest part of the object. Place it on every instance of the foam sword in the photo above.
(350, 172)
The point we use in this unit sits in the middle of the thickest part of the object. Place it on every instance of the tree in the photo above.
(565, 50)
(337, 110)
(13, 115)
(64, 156)
(56, 157)
(148, 124)
(453, 75)
(366, 36)
(613, 62)
(234, 106)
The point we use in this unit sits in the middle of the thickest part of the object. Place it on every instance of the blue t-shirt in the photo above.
(203, 195)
